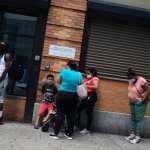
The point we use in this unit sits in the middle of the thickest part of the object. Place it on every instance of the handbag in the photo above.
(147, 94)
(82, 91)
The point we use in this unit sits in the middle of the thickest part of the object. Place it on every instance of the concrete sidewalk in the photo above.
(16, 136)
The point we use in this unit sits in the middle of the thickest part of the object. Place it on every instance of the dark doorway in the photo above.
(23, 30)
(19, 32)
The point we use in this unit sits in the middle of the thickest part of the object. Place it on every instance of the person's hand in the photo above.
(53, 112)
(45, 119)
(39, 97)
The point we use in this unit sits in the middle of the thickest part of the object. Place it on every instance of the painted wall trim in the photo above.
(116, 123)
(119, 8)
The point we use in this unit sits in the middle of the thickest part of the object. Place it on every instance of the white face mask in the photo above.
(131, 81)
(89, 76)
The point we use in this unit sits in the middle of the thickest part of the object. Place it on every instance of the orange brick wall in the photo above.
(112, 97)
(64, 27)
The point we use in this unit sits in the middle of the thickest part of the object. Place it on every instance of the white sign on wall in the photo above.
(60, 51)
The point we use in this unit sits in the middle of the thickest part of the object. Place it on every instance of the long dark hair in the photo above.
(93, 71)
(72, 65)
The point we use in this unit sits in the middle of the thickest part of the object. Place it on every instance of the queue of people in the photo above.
(65, 105)
(69, 105)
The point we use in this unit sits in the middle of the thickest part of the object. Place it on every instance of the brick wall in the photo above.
(112, 97)
(64, 27)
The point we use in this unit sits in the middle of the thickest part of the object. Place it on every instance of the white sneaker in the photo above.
(68, 137)
(135, 140)
(130, 137)
(84, 131)
(54, 136)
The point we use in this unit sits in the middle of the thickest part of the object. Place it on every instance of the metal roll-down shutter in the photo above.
(116, 45)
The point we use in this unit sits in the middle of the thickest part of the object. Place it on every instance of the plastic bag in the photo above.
(82, 91)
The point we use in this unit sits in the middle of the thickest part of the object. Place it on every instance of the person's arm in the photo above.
(8, 63)
(55, 89)
(59, 77)
(43, 89)
(146, 91)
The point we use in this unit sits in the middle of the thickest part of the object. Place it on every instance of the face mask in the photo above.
(131, 81)
(50, 82)
(89, 76)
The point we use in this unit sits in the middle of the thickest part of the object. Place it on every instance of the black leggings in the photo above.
(87, 105)
(66, 104)
(1, 111)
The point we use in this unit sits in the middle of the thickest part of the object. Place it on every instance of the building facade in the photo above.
(109, 35)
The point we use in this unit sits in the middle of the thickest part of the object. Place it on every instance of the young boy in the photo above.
(48, 96)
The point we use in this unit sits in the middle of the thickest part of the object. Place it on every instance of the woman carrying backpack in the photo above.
(137, 89)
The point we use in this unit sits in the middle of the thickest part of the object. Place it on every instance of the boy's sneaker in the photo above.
(130, 137)
(68, 137)
(135, 140)
(36, 127)
(84, 131)
(54, 136)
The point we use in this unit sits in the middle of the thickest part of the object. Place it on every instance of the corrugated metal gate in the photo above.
(115, 45)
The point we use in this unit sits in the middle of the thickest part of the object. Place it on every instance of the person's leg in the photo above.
(133, 120)
(71, 105)
(140, 110)
(2, 98)
(50, 112)
(89, 112)
(81, 107)
(132, 135)
(60, 113)
(89, 109)
(1, 112)
(41, 112)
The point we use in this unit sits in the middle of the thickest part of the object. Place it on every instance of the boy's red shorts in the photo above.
(43, 107)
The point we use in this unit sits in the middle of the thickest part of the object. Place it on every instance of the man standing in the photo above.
(5, 64)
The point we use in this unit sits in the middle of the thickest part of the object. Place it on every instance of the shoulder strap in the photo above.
(138, 91)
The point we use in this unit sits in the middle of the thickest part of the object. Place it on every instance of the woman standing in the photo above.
(88, 104)
(138, 105)
(67, 99)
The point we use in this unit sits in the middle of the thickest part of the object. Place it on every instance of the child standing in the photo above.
(48, 96)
